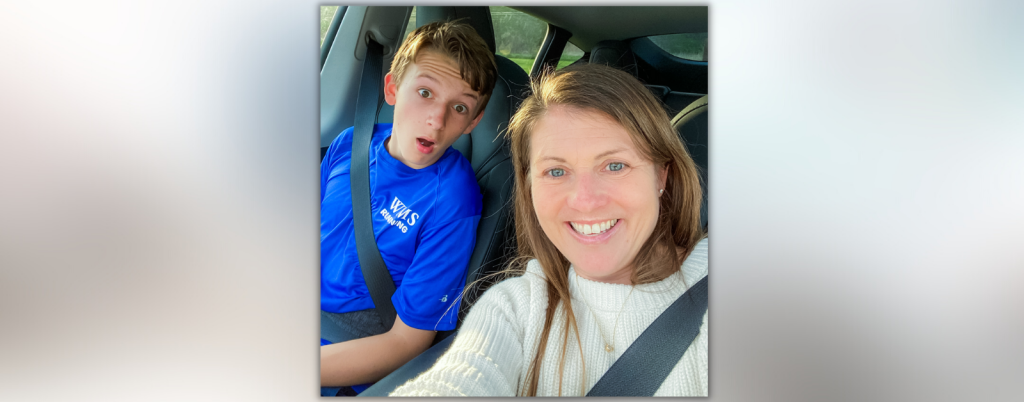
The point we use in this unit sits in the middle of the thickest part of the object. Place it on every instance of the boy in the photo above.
(425, 203)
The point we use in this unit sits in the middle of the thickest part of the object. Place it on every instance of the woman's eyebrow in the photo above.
(544, 158)
(610, 152)
(550, 158)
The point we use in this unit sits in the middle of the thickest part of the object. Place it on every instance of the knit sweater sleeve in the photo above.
(486, 358)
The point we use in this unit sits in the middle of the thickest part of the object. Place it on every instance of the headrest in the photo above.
(486, 146)
(614, 53)
(477, 17)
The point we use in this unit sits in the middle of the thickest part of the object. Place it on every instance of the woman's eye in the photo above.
(615, 166)
(556, 172)
(424, 93)
(461, 108)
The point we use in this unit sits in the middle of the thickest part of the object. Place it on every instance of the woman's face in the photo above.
(595, 195)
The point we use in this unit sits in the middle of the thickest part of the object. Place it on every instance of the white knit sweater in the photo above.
(492, 352)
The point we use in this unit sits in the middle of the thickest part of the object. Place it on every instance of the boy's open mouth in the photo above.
(424, 146)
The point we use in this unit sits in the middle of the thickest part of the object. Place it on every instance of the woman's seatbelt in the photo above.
(646, 363)
(375, 273)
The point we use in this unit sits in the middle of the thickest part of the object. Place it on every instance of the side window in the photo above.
(689, 46)
(326, 16)
(569, 55)
(517, 36)
(411, 25)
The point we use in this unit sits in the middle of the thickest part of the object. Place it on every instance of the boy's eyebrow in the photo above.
(424, 74)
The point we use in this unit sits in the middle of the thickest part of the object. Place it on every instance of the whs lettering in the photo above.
(403, 212)
(400, 216)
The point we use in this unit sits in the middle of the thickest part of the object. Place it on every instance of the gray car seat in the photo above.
(692, 125)
(620, 54)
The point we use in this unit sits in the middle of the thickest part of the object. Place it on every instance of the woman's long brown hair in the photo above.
(617, 94)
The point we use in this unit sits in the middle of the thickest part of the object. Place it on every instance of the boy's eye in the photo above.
(556, 172)
(615, 166)
(424, 93)
(461, 108)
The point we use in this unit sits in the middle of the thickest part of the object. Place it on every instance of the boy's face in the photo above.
(433, 107)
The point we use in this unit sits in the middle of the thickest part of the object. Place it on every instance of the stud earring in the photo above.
(662, 191)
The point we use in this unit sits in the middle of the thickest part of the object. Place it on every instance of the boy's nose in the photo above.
(436, 117)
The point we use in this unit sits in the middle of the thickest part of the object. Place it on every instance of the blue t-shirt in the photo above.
(425, 224)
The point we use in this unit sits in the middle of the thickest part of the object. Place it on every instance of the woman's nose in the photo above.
(588, 193)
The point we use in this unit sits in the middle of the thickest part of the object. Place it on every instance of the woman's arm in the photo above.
(486, 357)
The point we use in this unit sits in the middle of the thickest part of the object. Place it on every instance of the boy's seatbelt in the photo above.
(375, 273)
(646, 363)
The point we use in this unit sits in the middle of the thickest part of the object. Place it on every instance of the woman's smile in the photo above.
(595, 234)
(595, 229)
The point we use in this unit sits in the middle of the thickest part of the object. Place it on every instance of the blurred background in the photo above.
(159, 214)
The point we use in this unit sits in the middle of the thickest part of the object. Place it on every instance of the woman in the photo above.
(608, 218)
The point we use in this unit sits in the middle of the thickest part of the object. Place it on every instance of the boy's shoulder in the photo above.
(342, 143)
(341, 146)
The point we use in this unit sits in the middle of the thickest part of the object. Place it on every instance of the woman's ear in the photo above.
(663, 176)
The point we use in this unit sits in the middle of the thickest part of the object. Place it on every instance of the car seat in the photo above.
(692, 125)
(614, 53)
(621, 55)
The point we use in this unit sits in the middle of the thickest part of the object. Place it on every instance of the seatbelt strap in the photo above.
(646, 363)
(375, 273)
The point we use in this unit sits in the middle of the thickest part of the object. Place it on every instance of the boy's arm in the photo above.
(369, 359)
(340, 144)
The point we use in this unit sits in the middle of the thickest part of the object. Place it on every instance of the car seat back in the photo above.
(692, 125)
(614, 53)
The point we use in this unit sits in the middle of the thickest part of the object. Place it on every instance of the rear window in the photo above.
(569, 55)
(411, 25)
(517, 36)
(326, 16)
(689, 46)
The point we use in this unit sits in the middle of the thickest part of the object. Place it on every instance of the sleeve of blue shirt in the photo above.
(431, 290)
(343, 140)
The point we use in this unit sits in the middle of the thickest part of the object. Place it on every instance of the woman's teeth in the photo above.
(594, 229)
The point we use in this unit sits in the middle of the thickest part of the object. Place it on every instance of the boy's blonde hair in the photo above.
(460, 43)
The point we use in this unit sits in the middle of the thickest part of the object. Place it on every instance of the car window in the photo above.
(411, 25)
(569, 55)
(689, 46)
(326, 16)
(517, 36)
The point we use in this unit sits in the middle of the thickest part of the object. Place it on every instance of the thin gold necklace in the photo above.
(607, 346)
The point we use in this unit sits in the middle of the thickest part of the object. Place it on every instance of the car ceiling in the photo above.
(590, 25)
